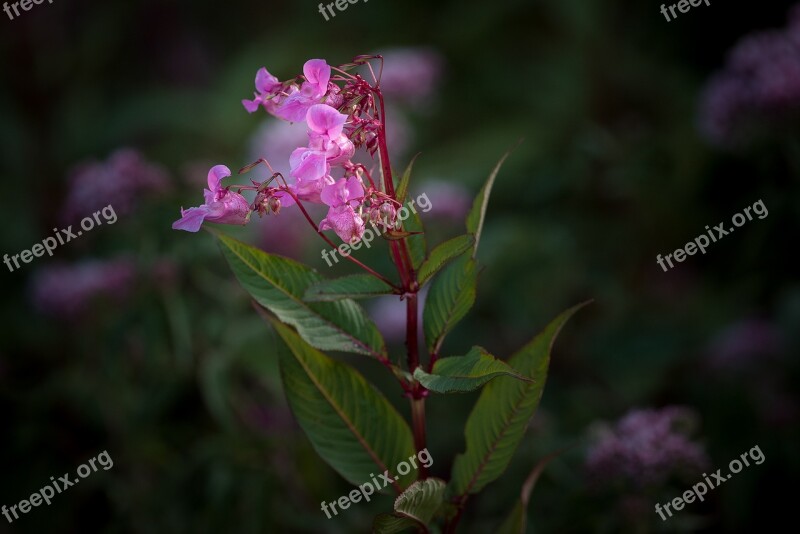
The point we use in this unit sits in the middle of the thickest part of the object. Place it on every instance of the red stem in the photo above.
(402, 259)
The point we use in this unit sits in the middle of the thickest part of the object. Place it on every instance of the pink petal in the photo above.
(251, 105)
(215, 176)
(308, 165)
(323, 119)
(192, 219)
(355, 189)
(318, 72)
(345, 222)
(265, 82)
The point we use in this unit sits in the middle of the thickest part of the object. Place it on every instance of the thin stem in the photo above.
(418, 423)
(450, 527)
(331, 243)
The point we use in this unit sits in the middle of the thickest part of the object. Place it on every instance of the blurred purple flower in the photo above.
(411, 75)
(759, 86)
(121, 181)
(389, 315)
(450, 200)
(743, 344)
(646, 448)
(274, 140)
(67, 290)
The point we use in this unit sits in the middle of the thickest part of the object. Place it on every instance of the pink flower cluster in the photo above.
(322, 172)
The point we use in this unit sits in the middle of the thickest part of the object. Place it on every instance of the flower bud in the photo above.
(275, 205)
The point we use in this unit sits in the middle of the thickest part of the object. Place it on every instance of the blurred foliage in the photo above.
(179, 382)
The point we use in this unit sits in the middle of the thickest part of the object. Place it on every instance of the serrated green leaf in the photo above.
(414, 508)
(351, 425)
(442, 254)
(451, 296)
(477, 214)
(402, 188)
(498, 421)
(357, 286)
(394, 523)
(461, 374)
(279, 284)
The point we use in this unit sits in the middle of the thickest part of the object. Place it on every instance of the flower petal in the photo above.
(215, 176)
(325, 120)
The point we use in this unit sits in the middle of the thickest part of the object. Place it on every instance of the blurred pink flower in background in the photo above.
(389, 315)
(744, 344)
(449, 200)
(759, 87)
(274, 140)
(66, 290)
(122, 181)
(645, 448)
(411, 75)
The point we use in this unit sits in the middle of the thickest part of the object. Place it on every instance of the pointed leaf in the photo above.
(499, 418)
(451, 296)
(350, 423)
(402, 188)
(394, 523)
(357, 286)
(413, 508)
(517, 520)
(477, 214)
(417, 242)
(460, 374)
(443, 254)
(279, 284)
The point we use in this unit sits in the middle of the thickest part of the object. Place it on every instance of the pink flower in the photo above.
(294, 108)
(267, 87)
(222, 206)
(328, 146)
(344, 191)
(343, 197)
(345, 222)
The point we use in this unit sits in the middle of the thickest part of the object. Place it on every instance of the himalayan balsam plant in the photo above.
(351, 424)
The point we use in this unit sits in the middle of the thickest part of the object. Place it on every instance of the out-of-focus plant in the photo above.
(351, 424)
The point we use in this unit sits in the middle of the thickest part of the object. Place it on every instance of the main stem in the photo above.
(402, 258)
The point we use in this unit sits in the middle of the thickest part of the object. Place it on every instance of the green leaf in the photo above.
(394, 523)
(517, 520)
(461, 374)
(499, 418)
(357, 286)
(417, 243)
(402, 188)
(477, 214)
(442, 254)
(414, 508)
(279, 284)
(451, 296)
(350, 424)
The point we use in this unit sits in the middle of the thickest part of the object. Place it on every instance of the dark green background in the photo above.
(611, 172)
